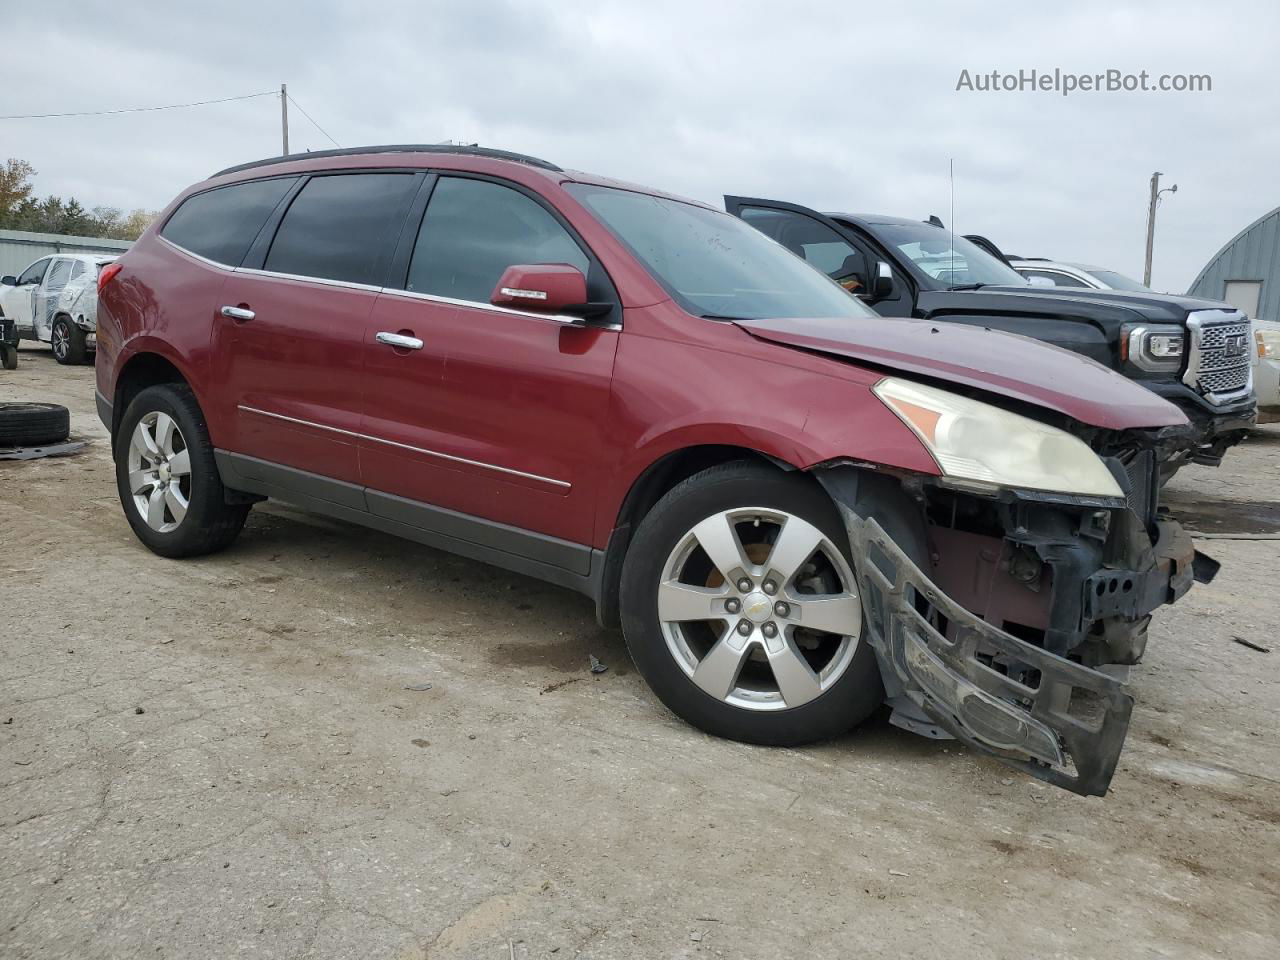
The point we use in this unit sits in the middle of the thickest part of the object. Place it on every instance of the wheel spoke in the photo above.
(177, 505)
(718, 538)
(717, 672)
(164, 433)
(680, 602)
(796, 680)
(835, 613)
(140, 480)
(155, 509)
(180, 465)
(143, 442)
(795, 544)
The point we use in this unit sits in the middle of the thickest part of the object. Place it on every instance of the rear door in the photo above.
(500, 414)
(288, 337)
(827, 245)
(47, 294)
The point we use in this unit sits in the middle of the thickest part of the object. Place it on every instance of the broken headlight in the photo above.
(972, 440)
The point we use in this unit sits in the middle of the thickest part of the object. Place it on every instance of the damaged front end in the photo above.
(1008, 619)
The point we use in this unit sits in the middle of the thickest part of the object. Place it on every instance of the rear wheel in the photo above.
(68, 341)
(167, 479)
(9, 356)
(740, 608)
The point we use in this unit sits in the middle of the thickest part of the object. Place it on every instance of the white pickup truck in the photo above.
(55, 300)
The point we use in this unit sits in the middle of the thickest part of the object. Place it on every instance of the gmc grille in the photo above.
(1219, 360)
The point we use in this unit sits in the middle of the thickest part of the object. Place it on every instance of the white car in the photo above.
(1266, 369)
(1052, 273)
(55, 300)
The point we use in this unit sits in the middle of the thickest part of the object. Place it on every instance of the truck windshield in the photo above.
(712, 264)
(952, 261)
(1118, 281)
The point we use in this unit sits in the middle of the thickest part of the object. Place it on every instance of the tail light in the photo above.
(107, 274)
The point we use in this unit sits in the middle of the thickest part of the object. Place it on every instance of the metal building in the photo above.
(19, 248)
(1246, 272)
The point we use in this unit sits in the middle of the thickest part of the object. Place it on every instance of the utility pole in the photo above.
(284, 138)
(1151, 222)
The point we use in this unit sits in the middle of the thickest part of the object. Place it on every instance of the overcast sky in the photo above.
(836, 105)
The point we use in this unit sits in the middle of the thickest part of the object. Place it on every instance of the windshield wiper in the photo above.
(721, 316)
(967, 286)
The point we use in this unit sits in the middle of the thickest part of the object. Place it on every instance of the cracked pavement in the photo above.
(223, 757)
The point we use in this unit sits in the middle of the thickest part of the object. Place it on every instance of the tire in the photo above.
(9, 357)
(158, 473)
(656, 580)
(33, 424)
(67, 341)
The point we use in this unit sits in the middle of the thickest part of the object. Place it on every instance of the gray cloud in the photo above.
(821, 103)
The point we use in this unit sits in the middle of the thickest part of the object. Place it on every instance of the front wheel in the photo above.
(167, 478)
(740, 608)
(67, 341)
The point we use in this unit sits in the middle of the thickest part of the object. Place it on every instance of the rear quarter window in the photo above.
(221, 224)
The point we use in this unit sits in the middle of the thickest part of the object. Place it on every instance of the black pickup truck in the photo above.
(1192, 352)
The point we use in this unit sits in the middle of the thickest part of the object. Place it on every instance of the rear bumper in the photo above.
(1069, 727)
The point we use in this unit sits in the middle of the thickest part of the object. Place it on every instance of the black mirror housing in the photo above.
(882, 286)
(9, 280)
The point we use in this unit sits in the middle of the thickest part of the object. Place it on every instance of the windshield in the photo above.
(713, 264)
(1118, 281)
(950, 260)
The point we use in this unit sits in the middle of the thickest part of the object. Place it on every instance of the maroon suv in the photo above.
(797, 510)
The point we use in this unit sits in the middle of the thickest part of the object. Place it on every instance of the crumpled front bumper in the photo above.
(1068, 729)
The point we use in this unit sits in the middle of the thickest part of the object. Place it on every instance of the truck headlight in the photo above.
(1153, 347)
(972, 440)
(1268, 342)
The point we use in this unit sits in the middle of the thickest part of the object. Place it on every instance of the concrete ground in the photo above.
(236, 756)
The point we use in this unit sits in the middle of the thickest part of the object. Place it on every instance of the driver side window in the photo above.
(817, 243)
(35, 272)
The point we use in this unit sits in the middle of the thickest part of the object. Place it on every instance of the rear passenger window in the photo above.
(341, 227)
(474, 230)
(221, 224)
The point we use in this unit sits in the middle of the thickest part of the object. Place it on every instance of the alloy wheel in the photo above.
(760, 609)
(159, 471)
(60, 341)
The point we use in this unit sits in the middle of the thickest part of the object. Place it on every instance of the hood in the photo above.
(1001, 363)
(1094, 304)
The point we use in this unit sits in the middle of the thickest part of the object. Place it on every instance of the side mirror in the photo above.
(883, 285)
(541, 287)
(9, 280)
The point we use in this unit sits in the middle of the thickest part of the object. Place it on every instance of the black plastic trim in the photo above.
(556, 561)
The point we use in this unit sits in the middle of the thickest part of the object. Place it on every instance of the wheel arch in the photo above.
(648, 487)
(145, 367)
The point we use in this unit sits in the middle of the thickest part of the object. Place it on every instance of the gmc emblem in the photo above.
(1235, 344)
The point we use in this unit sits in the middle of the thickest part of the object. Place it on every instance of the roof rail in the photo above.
(471, 151)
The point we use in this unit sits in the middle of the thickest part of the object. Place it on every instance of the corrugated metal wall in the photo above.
(18, 248)
(1254, 254)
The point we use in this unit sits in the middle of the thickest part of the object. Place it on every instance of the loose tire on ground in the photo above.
(33, 424)
(68, 342)
(166, 477)
(664, 649)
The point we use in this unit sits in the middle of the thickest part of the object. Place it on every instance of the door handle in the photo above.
(399, 340)
(238, 313)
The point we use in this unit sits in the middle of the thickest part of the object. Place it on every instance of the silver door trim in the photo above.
(405, 446)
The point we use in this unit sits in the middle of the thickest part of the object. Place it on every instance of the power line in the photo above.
(167, 106)
(313, 122)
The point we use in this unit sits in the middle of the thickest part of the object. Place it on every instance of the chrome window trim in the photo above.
(451, 301)
(560, 318)
(405, 446)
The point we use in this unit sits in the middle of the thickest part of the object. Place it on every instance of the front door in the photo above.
(488, 425)
(288, 342)
(829, 246)
(20, 302)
